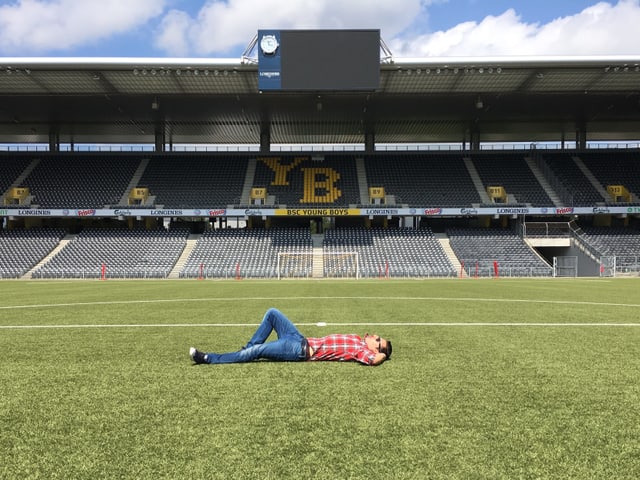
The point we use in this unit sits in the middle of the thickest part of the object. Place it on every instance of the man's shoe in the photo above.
(197, 356)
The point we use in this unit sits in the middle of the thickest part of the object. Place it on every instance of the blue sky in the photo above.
(411, 28)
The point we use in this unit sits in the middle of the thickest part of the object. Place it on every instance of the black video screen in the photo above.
(330, 59)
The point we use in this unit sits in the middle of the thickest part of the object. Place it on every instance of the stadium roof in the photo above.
(216, 101)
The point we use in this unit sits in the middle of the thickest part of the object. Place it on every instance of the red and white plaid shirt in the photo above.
(341, 348)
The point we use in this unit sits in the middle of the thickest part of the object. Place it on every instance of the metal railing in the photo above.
(355, 147)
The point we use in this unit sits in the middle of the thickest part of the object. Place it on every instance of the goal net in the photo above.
(341, 265)
(565, 266)
(318, 265)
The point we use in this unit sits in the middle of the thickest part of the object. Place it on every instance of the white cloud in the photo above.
(224, 26)
(602, 29)
(39, 26)
(172, 37)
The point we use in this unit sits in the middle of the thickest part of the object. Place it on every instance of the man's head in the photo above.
(378, 344)
(385, 347)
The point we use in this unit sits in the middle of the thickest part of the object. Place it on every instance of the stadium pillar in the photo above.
(474, 140)
(369, 142)
(265, 139)
(581, 136)
(54, 140)
(159, 138)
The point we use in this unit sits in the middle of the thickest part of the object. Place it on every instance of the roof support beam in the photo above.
(581, 135)
(265, 138)
(159, 138)
(369, 142)
(474, 139)
(54, 139)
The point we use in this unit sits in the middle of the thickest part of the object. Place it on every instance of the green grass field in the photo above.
(490, 379)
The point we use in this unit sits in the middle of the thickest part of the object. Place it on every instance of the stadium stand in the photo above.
(231, 253)
(617, 168)
(194, 181)
(621, 243)
(80, 180)
(511, 172)
(478, 249)
(11, 169)
(423, 180)
(124, 254)
(565, 169)
(399, 252)
(98, 149)
(614, 241)
(21, 250)
(324, 188)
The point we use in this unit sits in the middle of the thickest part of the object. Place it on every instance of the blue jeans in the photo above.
(287, 348)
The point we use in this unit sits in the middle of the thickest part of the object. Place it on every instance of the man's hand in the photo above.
(380, 357)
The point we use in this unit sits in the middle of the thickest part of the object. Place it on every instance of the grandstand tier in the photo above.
(549, 183)
(284, 252)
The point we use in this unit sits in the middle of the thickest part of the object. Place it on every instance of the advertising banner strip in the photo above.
(317, 212)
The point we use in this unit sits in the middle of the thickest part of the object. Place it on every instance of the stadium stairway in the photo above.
(317, 270)
(446, 246)
(20, 181)
(362, 181)
(591, 177)
(249, 178)
(543, 181)
(318, 263)
(63, 243)
(192, 240)
(124, 200)
(25, 173)
(473, 173)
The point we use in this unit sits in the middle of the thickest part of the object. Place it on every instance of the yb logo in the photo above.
(319, 182)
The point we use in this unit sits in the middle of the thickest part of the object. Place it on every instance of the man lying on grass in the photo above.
(292, 346)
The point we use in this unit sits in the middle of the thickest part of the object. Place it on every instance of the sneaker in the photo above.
(197, 356)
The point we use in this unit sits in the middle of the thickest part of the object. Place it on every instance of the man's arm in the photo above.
(379, 358)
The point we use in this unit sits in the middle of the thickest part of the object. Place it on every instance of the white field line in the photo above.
(234, 299)
(363, 324)
(262, 299)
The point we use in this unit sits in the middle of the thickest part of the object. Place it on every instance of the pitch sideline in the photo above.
(246, 299)
(363, 324)
(231, 299)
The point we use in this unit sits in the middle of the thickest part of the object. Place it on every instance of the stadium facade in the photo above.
(321, 128)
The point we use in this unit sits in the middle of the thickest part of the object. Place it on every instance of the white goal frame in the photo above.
(318, 264)
(565, 266)
(301, 261)
(351, 264)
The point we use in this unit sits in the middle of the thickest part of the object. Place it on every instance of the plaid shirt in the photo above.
(341, 348)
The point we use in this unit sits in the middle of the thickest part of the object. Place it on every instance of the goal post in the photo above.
(566, 266)
(341, 265)
(295, 265)
(318, 265)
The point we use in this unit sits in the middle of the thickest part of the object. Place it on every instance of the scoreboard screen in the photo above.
(319, 60)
